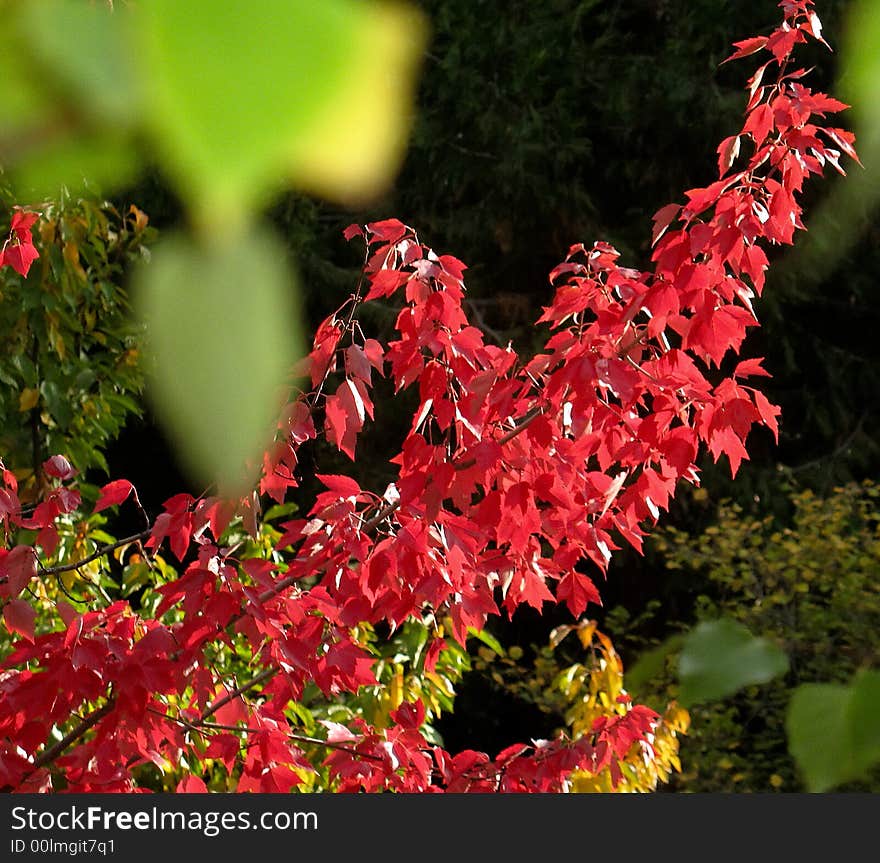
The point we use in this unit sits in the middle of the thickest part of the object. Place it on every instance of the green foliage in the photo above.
(807, 583)
(577, 684)
(70, 364)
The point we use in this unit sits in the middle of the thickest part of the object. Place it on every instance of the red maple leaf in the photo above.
(19, 251)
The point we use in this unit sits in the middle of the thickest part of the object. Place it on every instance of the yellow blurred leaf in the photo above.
(28, 399)
(354, 147)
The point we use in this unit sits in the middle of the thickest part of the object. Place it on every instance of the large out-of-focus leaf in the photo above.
(834, 730)
(70, 99)
(26, 105)
(84, 47)
(222, 336)
(358, 139)
(242, 95)
(865, 717)
(86, 164)
(719, 657)
(844, 216)
(860, 81)
(651, 664)
(234, 101)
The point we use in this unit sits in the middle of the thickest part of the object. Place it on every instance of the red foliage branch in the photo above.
(513, 472)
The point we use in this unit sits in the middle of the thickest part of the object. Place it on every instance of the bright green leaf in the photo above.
(722, 656)
(489, 640)
(222, 336)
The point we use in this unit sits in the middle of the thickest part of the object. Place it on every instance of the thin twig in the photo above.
(265, 674)
(50, 754)
(200, 726)
(101, 552)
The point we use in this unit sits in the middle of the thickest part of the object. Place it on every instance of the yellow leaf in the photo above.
(140, 218)
(353, 149)
(559, 633)
(55, 337)
(396, 694)
(585, 632)
(28, 399)
(71, 255)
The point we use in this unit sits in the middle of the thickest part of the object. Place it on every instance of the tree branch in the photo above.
(265, 674)
(50, 754)
(101, 552)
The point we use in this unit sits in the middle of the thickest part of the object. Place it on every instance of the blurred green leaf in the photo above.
(860, 79)
(89, 163)
(237, 90)
(24, 100)
(865, 716)
(651, 664)
(722, 656)
(222, 335)
(234, 101)
(84, 46)
(834, 730)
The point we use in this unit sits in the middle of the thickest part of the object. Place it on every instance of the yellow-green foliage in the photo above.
(808, 582)
(592, 689)
(582, 692)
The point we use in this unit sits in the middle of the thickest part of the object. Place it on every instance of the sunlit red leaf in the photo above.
(113, 494)
(746, 47)
(20, 256)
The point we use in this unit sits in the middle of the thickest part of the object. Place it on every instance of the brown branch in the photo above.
(481, 322)
(199, 726)
(522, 424)
(50, 754)
(101, 552)
(265, 674)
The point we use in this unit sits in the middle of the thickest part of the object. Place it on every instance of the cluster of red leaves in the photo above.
(512, 474)
(18, 251)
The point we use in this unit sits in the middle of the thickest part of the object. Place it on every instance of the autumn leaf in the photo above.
(113, 494)
(20, 617)
(18, 567)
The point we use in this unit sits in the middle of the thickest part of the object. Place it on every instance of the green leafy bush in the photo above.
(807, 582)
(70, 363)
